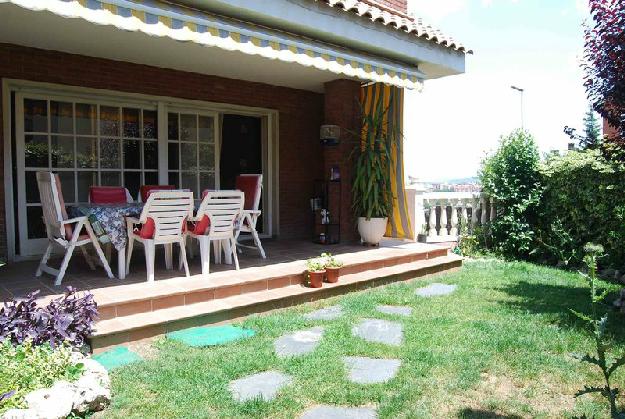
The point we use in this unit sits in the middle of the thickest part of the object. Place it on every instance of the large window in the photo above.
(87, 143)
(191, 151)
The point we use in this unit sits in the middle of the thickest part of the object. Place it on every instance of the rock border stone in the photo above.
(90, 393)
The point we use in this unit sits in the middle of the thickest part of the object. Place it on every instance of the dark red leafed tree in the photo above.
(605, 69)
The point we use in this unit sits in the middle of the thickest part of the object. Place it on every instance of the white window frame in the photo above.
(163, 104)
(216, 139)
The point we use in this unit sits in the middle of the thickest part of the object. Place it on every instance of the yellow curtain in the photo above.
(393, 102)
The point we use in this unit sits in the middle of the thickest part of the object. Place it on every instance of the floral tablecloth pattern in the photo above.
(108, 220)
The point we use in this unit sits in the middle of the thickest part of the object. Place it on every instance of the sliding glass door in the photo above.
(105, 139)
(192, 150)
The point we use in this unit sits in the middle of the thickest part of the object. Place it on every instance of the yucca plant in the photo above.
(371, 190)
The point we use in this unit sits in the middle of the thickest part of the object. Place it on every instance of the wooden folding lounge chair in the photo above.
(63, 232)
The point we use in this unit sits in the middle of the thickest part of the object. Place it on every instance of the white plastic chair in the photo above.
(161, 222)
(251, 185)
(64, 232)
(216, 220)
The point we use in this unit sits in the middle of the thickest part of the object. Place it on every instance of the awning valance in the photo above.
(184, 24)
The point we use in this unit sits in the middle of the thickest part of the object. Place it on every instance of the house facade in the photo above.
(194, 92)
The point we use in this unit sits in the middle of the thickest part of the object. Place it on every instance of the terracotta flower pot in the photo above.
(316, 278)
(332, 274)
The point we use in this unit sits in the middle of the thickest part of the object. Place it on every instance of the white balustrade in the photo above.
(432, 223)
(430, 218)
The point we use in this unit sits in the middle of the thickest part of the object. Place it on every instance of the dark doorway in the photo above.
(241, 150)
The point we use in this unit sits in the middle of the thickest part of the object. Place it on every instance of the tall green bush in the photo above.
(583, 201)
(511, 177)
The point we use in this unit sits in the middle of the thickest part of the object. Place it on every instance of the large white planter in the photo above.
(371, 231)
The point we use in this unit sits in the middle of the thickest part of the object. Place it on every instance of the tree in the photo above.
(605, 69)
(591, 138)
(592, 130)
(510, 176)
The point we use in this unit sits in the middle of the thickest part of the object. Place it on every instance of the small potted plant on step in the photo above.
(333, 266)
(316, 271)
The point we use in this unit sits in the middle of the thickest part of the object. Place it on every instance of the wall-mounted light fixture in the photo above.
(330, 134)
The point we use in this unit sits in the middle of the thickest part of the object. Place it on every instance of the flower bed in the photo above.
(45, 382)
(43, 374)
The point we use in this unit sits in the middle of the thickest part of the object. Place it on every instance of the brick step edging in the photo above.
(227, 314)
(292, 276)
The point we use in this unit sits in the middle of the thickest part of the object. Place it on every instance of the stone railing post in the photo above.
(475, 205)
(464, 216)
(483, 211)
(432, 220)
(416, 210)
(453, 230)
(443, 219)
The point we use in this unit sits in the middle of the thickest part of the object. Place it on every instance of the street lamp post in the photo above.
(518, 89)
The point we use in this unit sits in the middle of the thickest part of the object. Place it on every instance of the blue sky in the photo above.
(534, 44)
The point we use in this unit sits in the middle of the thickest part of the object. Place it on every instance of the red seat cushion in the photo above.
(69, 232)
(200, 227)
(107, 195)
(248, 185)
(146, 189)
(146, 231)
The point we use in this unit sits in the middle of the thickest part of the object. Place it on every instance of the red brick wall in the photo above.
(342, 109)
(400, 5)
(301, 114)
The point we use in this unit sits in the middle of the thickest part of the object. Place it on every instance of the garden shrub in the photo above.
(583, 201)
(27, 367)
(68, 319)
(511, 177)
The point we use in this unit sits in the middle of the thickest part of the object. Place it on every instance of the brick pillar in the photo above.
(342, 109)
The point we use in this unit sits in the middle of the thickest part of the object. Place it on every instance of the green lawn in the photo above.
(500, 345)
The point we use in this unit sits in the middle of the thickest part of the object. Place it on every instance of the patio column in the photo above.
(341, 108)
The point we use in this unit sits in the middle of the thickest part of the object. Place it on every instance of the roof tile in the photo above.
(398, 20)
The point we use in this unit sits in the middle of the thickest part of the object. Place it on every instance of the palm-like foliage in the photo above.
(371, 191)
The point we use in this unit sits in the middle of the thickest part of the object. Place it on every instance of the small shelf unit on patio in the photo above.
(327, 194)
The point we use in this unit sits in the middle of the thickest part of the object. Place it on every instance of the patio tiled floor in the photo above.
(18, 279)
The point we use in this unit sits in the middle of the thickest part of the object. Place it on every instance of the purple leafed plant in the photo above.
(66, 319)
(7, 395)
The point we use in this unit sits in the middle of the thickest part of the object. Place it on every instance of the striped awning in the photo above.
(161, 19)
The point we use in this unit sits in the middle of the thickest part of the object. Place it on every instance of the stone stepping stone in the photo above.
(264, 385)
(298, 343)
(116, 357)
(380, 331)
(198, 337)
(363, 370)
(336, 412)
(395, 310)
(435, 290)
(328, 313)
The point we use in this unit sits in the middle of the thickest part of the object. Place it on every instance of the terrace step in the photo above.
(136, 326)
(138, 298)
